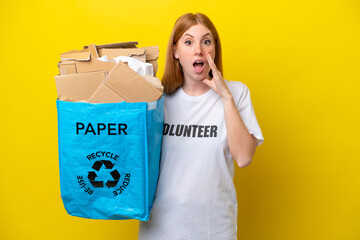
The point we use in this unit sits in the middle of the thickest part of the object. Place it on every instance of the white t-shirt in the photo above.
(195, 196)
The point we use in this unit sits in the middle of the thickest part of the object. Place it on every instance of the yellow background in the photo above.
(300, 60)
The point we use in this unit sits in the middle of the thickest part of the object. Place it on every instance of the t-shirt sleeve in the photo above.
(247, 113)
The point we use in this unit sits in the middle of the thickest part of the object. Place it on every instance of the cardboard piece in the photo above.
(86, 59)
(103, 94)
(78, 87)
(152, 54)
(67, 68)
(79, 55)
(93, 65)
(116, 45)
(128, 85)
(154, 81)
(136, 53)
(92, 49)
(85, 78)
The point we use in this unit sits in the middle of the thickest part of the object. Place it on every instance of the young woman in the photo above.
(208, 122)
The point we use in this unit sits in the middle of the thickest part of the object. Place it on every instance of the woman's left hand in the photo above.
(217, 83)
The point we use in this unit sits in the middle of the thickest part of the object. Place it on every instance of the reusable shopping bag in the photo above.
(109, 157)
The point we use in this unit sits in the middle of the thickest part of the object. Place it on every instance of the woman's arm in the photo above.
(242, 144)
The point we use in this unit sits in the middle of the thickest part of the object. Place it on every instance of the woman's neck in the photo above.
(194, 87)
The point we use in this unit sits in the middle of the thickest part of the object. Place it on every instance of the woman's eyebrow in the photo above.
(207, 34)
(188, 35)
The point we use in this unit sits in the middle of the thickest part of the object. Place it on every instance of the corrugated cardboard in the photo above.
(154, 81)
(111, 53)
(93, 64)
(128, 85)
(85, 60)
(78, 87)
(152, 54)
(84, 54)
(67, 68)
(83, 76)
(104, 94)
(79, 55)
(117, 45)
(93, 50)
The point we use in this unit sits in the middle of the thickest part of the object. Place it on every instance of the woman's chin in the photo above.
(199, 76)
(202, 75)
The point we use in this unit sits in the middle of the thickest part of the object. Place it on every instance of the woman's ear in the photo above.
(176, 55)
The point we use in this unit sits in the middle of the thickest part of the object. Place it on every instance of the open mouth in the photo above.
(198, 66)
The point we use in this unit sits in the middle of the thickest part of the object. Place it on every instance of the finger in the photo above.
(215, 71)
(216, 74)
(211, 62)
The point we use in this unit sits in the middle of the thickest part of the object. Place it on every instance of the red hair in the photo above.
(173, 75)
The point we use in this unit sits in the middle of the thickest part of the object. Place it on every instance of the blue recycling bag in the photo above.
(109, 157)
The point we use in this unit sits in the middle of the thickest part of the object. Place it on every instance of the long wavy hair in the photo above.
(173, 77)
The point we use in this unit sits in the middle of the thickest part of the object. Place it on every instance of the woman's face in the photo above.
(191, 50)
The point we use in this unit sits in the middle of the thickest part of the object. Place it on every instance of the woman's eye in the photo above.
(187, 42)
(207, 42)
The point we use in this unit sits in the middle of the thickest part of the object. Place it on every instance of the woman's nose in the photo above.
(198, 49)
